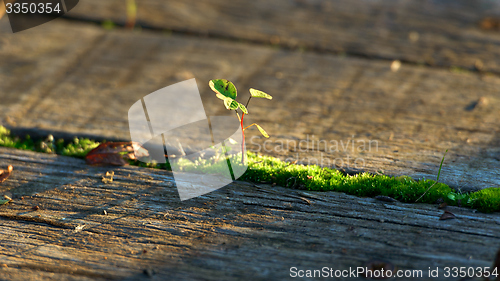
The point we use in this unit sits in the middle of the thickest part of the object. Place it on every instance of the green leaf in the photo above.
(223, 87)
(259, 94)
(262, 131)
(243, 108)
(258, 127)
(4, 201)
(231, 104)
(220, 96)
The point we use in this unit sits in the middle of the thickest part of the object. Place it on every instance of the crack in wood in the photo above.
(37, 220)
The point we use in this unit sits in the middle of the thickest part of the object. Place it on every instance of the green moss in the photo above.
(459, 70)
(108, 25)
(403, 188)
(311, 177)
(79, 147)
(485, 200)
(8, 141)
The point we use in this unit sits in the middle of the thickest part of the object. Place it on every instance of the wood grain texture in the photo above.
(82, 80)
(71, 78)
(238, 231)
(436, 33)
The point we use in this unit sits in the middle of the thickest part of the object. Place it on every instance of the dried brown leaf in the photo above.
(115, 153)
(442, 205)
(447, 215)
(490, 24)
(4, 174)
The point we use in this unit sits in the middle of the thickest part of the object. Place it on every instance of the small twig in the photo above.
(248, 101)
(439, 173)
(249, 126)
(36, 220)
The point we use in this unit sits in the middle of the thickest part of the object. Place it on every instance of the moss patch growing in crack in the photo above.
(308, 177)
(79, 147)
(402, 188)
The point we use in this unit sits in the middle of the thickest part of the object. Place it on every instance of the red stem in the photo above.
(242, 141)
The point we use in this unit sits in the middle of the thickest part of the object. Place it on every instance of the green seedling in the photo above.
(226, 91)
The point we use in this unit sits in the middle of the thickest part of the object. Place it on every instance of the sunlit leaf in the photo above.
(243, 108)
(258, 127)
(223, 87)
(231, 104)
(220, 96)
(259, 94)
(262, 131)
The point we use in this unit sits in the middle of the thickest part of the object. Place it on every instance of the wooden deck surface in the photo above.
(237, 232)
(81, 79)
(436, 33)
(327, 65)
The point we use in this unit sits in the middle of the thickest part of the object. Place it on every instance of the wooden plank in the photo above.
(28, 71)
(240, 230)
(437, 33)
(411, 116)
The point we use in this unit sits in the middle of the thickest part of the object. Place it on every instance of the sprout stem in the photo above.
(243, 139)
(248, 102)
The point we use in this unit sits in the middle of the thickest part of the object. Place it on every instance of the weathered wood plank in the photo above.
(238, 231)
(412, 116)
(438, 33)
